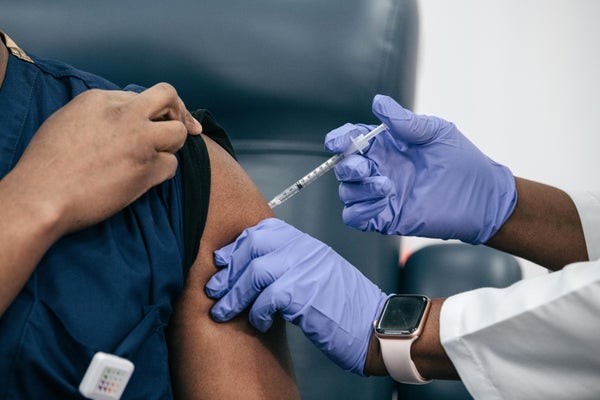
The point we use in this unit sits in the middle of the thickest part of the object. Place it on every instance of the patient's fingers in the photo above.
(168, 136)
(161, 102)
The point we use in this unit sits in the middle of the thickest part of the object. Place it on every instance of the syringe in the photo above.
(358, 144)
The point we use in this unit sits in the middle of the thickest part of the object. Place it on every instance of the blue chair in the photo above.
(277, 75)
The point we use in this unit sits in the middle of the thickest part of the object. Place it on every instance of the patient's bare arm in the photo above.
(226, 360)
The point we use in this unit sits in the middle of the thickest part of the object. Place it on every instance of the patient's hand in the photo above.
(231, 360)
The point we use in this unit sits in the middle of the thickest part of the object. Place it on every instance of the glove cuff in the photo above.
(504, 201)
(360, 370)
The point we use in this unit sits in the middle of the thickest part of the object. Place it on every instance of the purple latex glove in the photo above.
(278, 269)
(422, 177)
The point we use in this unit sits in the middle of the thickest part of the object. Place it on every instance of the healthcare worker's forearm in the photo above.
(588, 207)
(544, 228)
(427, 352)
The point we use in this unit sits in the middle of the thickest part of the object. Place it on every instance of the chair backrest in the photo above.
(265, 68)
(445, 269)
(277, 75)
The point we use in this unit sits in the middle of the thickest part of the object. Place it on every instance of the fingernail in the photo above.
(213, 293)
(215, 286)
(222, 256)
(216, 315)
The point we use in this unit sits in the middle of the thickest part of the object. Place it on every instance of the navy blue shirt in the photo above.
(107, 288)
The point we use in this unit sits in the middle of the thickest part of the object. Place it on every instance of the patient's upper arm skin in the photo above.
(226, 360)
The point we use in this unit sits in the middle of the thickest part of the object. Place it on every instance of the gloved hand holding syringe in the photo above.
(359, 143)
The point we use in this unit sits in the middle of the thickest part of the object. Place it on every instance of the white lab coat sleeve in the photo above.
(588, 207)
(537, 339)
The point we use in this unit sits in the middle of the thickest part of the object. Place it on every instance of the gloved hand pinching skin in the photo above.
(421, 177)
(275, 268)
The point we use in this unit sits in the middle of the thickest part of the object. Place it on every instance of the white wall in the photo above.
(521, 79)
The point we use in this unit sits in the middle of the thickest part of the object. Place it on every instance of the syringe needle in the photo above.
(358, 144)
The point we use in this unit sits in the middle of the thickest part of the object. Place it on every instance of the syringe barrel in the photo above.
(320, 170)
(359, 144)
(306, 180)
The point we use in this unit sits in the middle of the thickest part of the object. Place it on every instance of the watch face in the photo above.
(402, 314)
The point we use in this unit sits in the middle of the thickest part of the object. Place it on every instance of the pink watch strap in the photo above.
(397, 359)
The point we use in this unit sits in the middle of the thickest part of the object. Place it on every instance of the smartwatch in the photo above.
(400, 324)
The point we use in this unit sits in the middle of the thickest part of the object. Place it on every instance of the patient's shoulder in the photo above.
(213, 360)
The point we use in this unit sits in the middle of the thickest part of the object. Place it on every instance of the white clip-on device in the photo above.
(106, 377)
